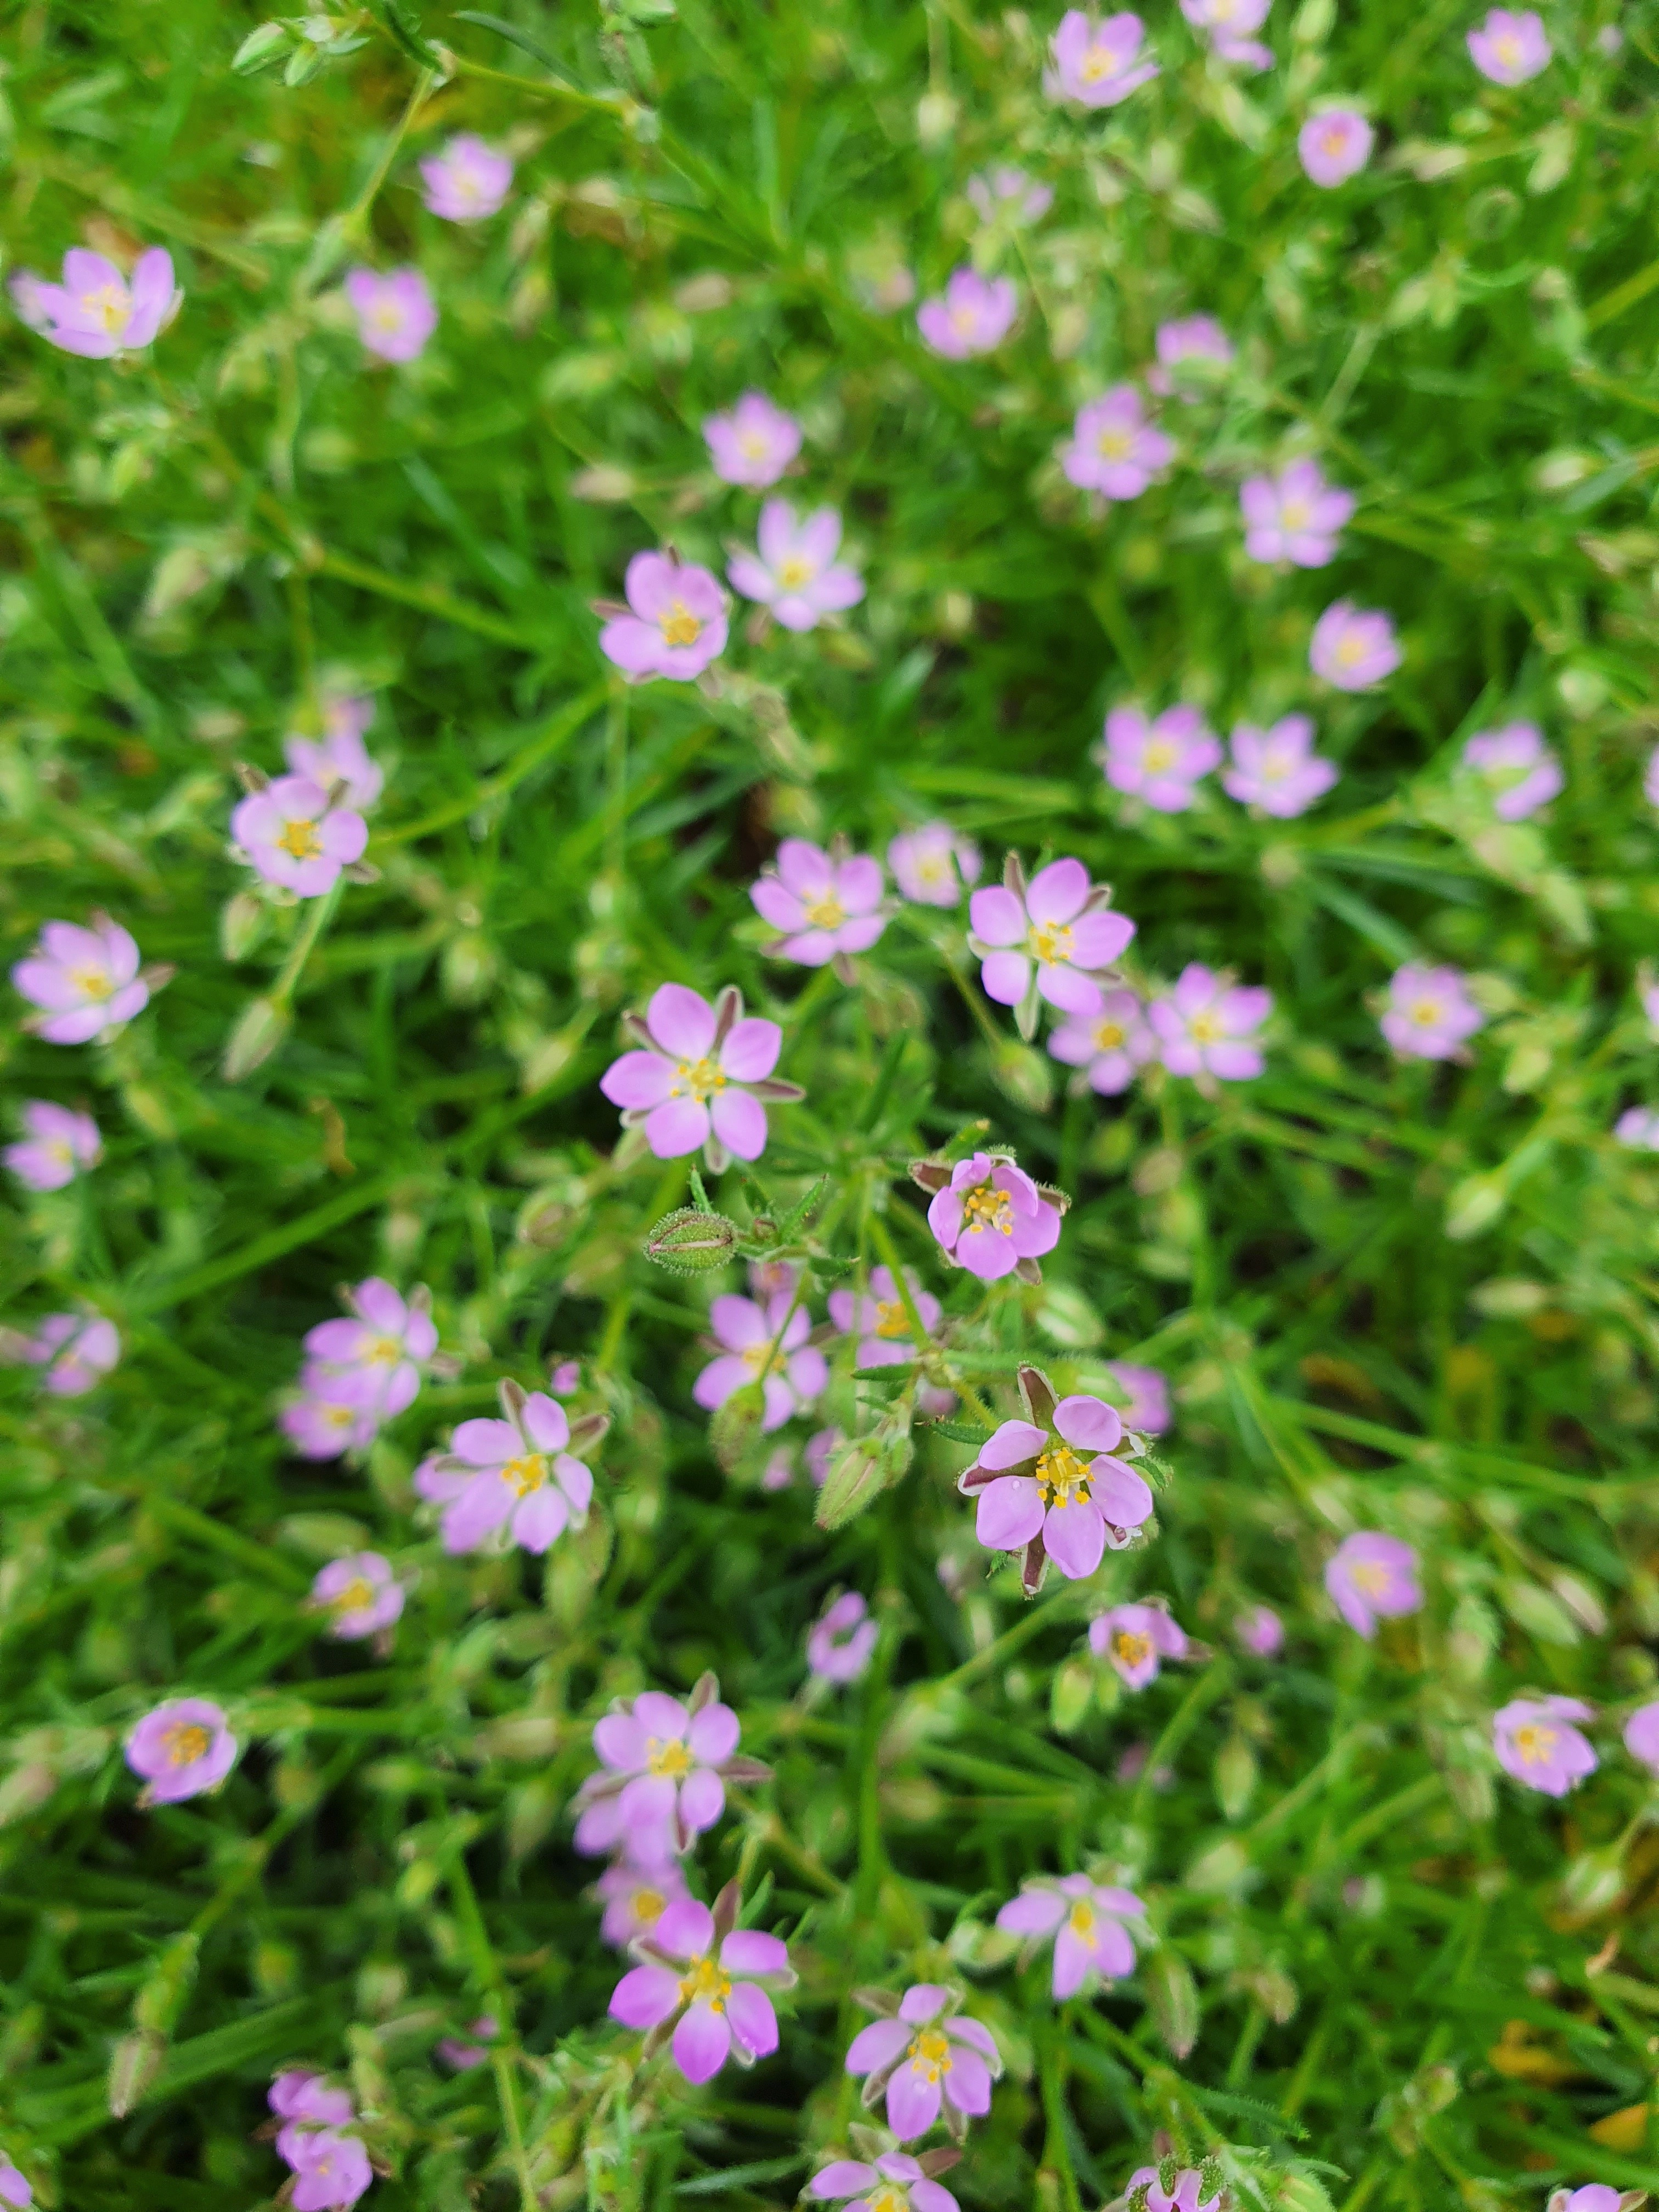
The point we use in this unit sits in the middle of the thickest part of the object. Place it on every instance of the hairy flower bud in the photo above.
(262, 47)
(134, 2064)
(863, 1468)
(690, 1241)
(263, 1026)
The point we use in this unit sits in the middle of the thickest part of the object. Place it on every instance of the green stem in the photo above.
(318, 914)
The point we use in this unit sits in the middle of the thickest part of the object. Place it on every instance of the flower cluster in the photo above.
(359, 1373)
(331, 2168)
(519, 1476)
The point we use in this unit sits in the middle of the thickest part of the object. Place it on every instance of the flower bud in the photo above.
(735, 1425)
(263, 1026)
(861, 1469)
(134, 2064)
(260, 49)
(689, 1242)
(1174, 1995)
(1235, 1776)
(241, 924)
(1068, 1700)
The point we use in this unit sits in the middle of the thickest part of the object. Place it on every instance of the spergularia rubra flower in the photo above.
(1008, 195)
(1114, 449)
(1147, 1392)
(95, 312)
(360, 1594)
(330, 2170)
(1191, 351)
(1159, 763)
(932, 865)
(61, 1145)
(518, 1473)
(989, 1217)
(1642, 1736)
(702, 1075)
(181, 1749)
(1334, 146)
(1638, 1127)
(975, 316)
(796, 1372)
(1294, 516)
(1134, 1640)
(1050, 938)
(73, 1351)
(1228, 24)
(1430, 1013)
(292, 833)
(1049, 1485)
(797, 575)
(927, 2059)
(896, 2182)
(1372, 1577)
(1184, 2196)
(1510, 47)
(1538, 1746)
(86, 981)
(1109, 1044)
(677, 624)
(1086, 1923)
(660, 1783)
(396, 313)
(1260, 1631)
(302, 2096)
(339, 755)
(322, 1427)
(707, 1980)
(878, 1317)
(1519, 769)
(466, 180)
(372, 1360)
(827, 904)
(842, 1640)
(1206, 1025)
(1595, 2196)
(1276, 768)
(635, 1897)
(754, 444)
(1353, 647)
(1097, 64)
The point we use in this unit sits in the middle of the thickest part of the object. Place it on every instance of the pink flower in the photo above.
(1114, 449)
(894, 2183)
(372, 1361)
(975, 315)
(1595, 2196)
(797, 575)
(1430, 1013)
(1085, 1920)
(706, 1977)
(925, 2056)
(1159, 761)
(94, 312)
(1047, 940)
(302, 2095)
(1049, 1487)
(1372, 1577)
(59, 1145)
(86, 981)
(636, 1898)
(660, 1783)
(462, 2057)
(322, 1427)
(1097, 64)
(1537, 1745)
(76, 1350)
(1353, 647)
(754, 444)
(701, 1077)
(330, 2170)
(515, 1472)
(1108, 1044)
(1276, 768)
(1008, 195)
(1135, 1638)
(292, 833)
(1518, 767)
(771, 1278)
(988, 1216)
(566, 1378)
(796, 1371)
(181, 1749)
(340, 756)
(1510, 47)
(842, 1640)
(1183, 2197)
(677, 625)
(880, 1320)
(395, 313)
(1294, 516)
(360, 1592)
(1228, 24)
(1642, 1736)
(1260, 1631)
(466, 181)
(821, 1448)
(1194, 343)
(1334, 146)
(1148, 1412)
(932, 864)
(1205, 1026)
(826, 904)
(1638, 1127)
(16, 2192)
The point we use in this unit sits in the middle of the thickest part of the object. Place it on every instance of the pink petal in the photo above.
(1010, 1513)
(645, 1997)
(619, 1741)
(844, 2179)
(1089, 1423)
(540, 1519)
(480, 1444)
(748, 1952)
(1057, 892)
(859, 884)
(1005, 976)
(714, 1735)
(476, 1513)
(969, 2083)
(740, 1122)
(775, 902)
(702, 2043)
(996, 916)
(1119, 1492)
(682, 1023)
(1033, 1912)
(777, 535)
(750, 1052)
(544, 1422)
(913, 2103)
(877, 2046)
(633, 645)
(1098, 939)
(754, 2023)
(1075, 1537)
(1012, 1445)
(702, 1797)
(638, 1079)
(739, 1323)
(678, 1127)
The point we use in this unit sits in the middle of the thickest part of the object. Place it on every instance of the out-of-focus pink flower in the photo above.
(360, 1593)
(516, 1472)
(1097, 64)
(1595, 2196)
(797, 575)
(60, 1145)
(712, 1982)
(975, 316)
(293, 834)
(635, 1897)
(1276, 768)
(1049, 938)
(1051, 1487)
(1135, 1639)
(1372, 1577)
(1518, 767)
(1008, 195)
(842, 1640)
(30, 295)
(1148, 1412)
(322, 1427)
(94, 312)
(466, 180)
(879, 1319)
(1114, 449)
(1191, 352)
(1538, 1746)
(659, 1781)
(300, 2095)
(678, 623)
(701, 1074)
(990, 1215)
(374, 1360)
(1227, 24)
(1642, 1736)
(1260, 1630)
(1638, 1127)
(1086, 1920)
(1109, 1044)
(396, 313)
(824, 903)
(1353, 647)
(181, 1748)
(331, 2171)
(924, 2056)
(1334, 146)
(771, 1278)
(1294, 516)
(86, 981)
(462, 2057)
(754, 444)
(340, 754)
(1158, 762)
(1183, 2197)
(566, 1378)
(798, 1372)
(896, 2183)
(1430, 1013)
(821, 1448)
(15, 2189)
(1510, 47)
(932, 864)
(1207, 1026)
(75, 1349)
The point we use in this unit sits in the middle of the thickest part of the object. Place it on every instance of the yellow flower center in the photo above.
(1534, 1741)
(794, 572)
(888, 2198)
(109, 303)
(1060, 1474)
(386, 315)
(891, 1320)
(299, 838)
(827, 913)
(1296, 515)
(1334, 140)
(1507, 47)
(1082, 1921)
(649, 1904)
(933, 868)
(1205, 1029)
(1132, 1645)
(91, 983)
(1115, 445)
(930, 2053)
(1108, 1036)
(753, 442)
(1369, 1578)
(1158, 756)
(1425, 1012)
(706, 1984)
(356, 1595)
(1097, 64)
(382, 1352)
(185, 1743)
(1275, 766)
(699, 1077)
(56, 1149)
(526, 1472)
(1349, 650)
(336, 1417)
(679, 625)
(988, 1208)
(1051, 940)
(668, 1755)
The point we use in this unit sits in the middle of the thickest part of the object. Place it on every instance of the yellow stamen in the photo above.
(185, 1743)
(1425, 1012)
(1534, 1741)
(1115, 445)
(706, 1984)
(92, 983)
(1132, 1646)
(526, 1472)
(1051, 940)
(649, 1904)
(1108, 1036)
(1205, 1029)
(1370, 1578)
(988, 1208)
(1082, 1921)
(1060, 1474)
(667, 1755)
(1158, 756)
(930, 2053)
(827, 913)
(891, 1320)
(356, 1596)
(697, 1078)
(679, 625)
(795, 572)
(299, 839)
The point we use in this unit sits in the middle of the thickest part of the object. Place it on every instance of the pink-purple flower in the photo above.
(975, 315)
(339, 755)
(1097, 64)
(86, 981)
(1510, 47)
(754, 1338)
(988, 1216)
(1430, 1013)
(1086, 1923)
(660, 1783)
(841, 1641)
(292, 832)
(827, 904)
(1641, 1733)
(879, 1318)
(1134, 1640)
(927, 2059)
(1159, 761)
(1050, 938)
(635, 1897)
(1520, 770)
(518, 1472)
(1109, 1044)
(705, 1980)
(330, 2170)
(1334, 146)
(1192, 349)
(61, 1145)
(360, 1594)
(1371, 1578)
(1206, 1025)
(1114, 449)
(95, 312)
(396, 313)
(1147, 1391)
(1006, 194)
(180, 1749)
(933, 865)
(461, 2057)
(797, 575)
(1294, 516)
(1353, 647)
(1595, 2196)
(1228, 25)
(1051, 1487)
(16, 2191)
(676, 624)
(1260, 1631)
(895, 2182)
(467, 179)
(1638, 1127)
(702, 1077)
(754, 444)
(75, 1351)
(302, 2098)
(320, 1426)
(1538, 1746)
(1184, 2196)
(372, 1360)
(1276, 768)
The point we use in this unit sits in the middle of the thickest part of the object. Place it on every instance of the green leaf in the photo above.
(515, 37)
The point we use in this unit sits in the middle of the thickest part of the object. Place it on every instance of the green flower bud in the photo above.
(263, 1024)
(737, 1423)
(259, 50)
(689, 1242)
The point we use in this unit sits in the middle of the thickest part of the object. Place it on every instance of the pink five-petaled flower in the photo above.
(1294, 516)
(1228, 24)
(842, 1640)
(1148, 1412)
(320, 1426)
(1518, 767)
(895, 2182)
(1594, 2196)
(700, 1077)
(1430, 1013)
(1086, 1923)
(754, 444)
(340, 754)
(1372, 1577)
(1097, 64)
(360, 1594)
(466, 180)
(1260, 1631)
(1114, 449)
(16, 2191)
(1049, 939)
(1108, 1044)
(635, 1897)
(292, 833)
(60, 1144)
(975, 315)
(1334, 146)
(1159, 761)
(371, 1361)
(1008, 195)
(660, 1782)
(1538, 1746)
(1182, 2195)
(94, 312)
(519, 1472)
(76, 1350)
(827, 904)
(932, 864)
(1207, 1026)
(797, 575)
(395, 313)
(1510, 47)
(181, 1749)
(770, 1337)
(880, 1319)
(1049, 1487)
(1134, 1639)
(1353, 647)
(1191, 351)
(677, 625)
(1276, 768)
(989, 1217)
(703, 1975)
(924, 2057)
(331, 2171)
(1642, 1736)
(87, 981)
(301, 2098)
